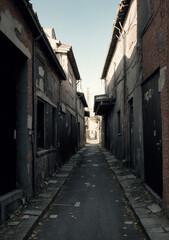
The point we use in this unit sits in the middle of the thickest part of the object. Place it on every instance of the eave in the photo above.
(117, 28)
(82, 98)
(32, 20)
(68, 50)
(102, 104)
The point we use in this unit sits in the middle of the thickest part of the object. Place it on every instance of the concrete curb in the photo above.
(21, 224)
(151, 216)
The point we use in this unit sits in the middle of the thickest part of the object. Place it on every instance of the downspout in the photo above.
(125, 96)
(77, 115)
(58, 125)
(34, 114)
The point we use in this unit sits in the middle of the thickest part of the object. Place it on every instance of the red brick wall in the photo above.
(152, 58)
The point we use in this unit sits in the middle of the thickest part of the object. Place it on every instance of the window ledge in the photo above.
(45, 151)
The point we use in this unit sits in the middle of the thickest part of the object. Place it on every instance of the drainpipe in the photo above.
(34, 114)
(58, 123)
(77, 132)
(125, 96)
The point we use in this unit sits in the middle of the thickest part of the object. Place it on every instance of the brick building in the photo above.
(156, 98)
(16, 38)
(29, 96)
(72, 115)
(135, 104)
(81, 115)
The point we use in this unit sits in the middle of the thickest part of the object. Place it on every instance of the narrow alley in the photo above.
(84, 145)
(91, 205)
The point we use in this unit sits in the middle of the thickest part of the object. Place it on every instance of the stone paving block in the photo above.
(128, 194)
(122, 178)
(157, 230)
(142, 212)
(158, 236)
(52, 189)
(25, 227)
(14, 223)
(33, 212)
(60, 175)
(45, 195)
(52, 181)
(43, 205)
(67, 168)
(26, 217)
(154, 208)
(138, 204)
(125, 184)
(131, 176)
(151, 222)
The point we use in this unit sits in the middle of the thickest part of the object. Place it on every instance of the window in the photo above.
(119, 122)
(40, 125)
(46, 129)
(46, 126)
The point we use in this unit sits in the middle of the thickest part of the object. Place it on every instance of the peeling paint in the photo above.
(148, 95)
(29, 122)
(41, 84)
(161, 80)
(41, 71)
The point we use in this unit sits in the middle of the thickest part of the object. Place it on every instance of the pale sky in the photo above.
(86, 25)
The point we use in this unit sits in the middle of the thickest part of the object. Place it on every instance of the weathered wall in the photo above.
(81, 122)
(133, 143)
(67, 135)
(15, 27)
(47, 85)
(122, 81)
(68, 87)
(155, 57)
(114, 88)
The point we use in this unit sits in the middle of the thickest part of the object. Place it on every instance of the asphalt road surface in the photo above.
(90, 206)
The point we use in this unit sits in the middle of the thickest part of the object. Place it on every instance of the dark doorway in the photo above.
(11, 65)
(131, 135)
(152, 133)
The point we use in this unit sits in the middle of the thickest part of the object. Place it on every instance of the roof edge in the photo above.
(27, 10)
(122, 11)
